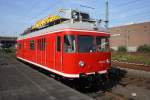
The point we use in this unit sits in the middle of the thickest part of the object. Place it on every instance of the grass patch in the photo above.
(140, 58)
(8, 51)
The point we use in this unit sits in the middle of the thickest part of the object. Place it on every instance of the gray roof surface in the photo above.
(65, 25)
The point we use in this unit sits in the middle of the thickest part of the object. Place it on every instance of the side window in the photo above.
(32, 44)
(41, 44)
(102, 44)
(38, 44)
(58, 43)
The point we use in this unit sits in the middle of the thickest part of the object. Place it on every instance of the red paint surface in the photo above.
(64, 62)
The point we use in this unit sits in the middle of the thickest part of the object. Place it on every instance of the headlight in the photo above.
(81, 63)
(108, 61)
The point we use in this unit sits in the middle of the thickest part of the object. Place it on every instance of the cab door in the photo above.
(38, 51)
(58, 53)
(41, 51)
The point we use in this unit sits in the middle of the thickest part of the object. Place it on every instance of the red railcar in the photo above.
(69, 49)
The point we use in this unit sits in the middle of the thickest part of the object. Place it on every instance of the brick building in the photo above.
(132, 36)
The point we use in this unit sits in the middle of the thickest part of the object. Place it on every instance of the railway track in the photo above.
(131, 65)
(107, 95)
(123, 86)
(115, 96)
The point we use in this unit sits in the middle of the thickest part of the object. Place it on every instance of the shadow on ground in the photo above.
(115, 76)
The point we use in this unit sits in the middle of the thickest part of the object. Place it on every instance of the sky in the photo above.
(17, 15)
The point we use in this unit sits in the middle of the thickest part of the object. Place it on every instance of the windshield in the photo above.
(86, 43)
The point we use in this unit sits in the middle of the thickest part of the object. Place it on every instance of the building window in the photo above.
(32, 44)
(145, 28)
(58, 43)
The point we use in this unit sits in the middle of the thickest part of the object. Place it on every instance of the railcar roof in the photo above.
(65, 25)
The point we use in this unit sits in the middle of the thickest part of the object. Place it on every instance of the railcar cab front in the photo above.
(84, 52)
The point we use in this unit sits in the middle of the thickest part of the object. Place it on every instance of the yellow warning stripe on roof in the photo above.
(45, 21)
